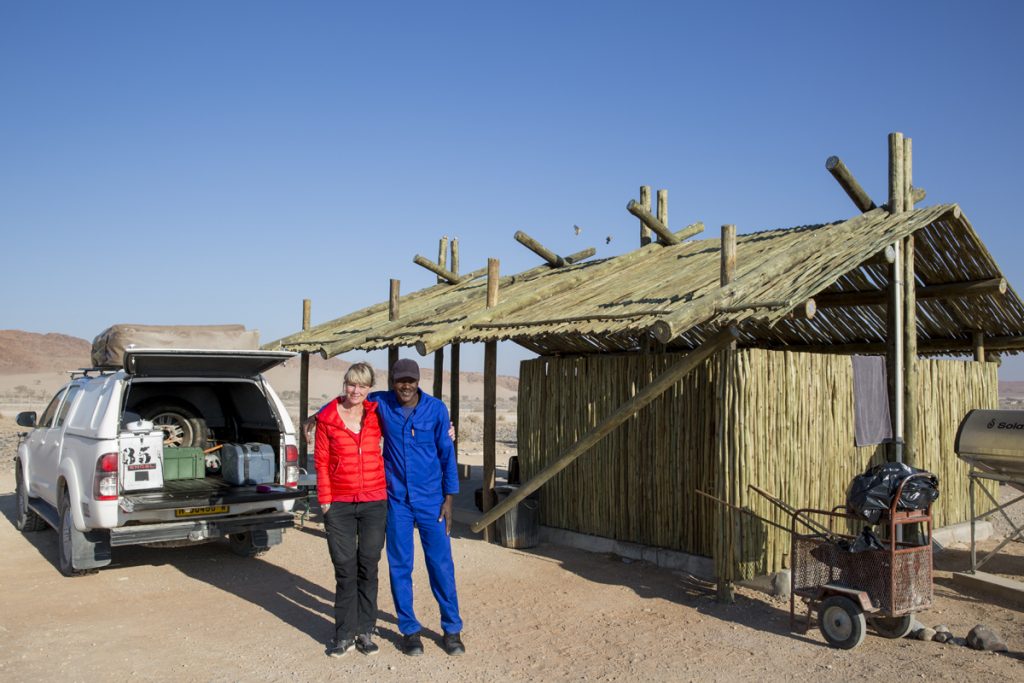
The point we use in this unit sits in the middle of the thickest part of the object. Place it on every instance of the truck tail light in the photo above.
(105, 481)
(291, 468)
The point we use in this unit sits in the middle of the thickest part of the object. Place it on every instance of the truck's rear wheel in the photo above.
(65, 538)
(26, 519)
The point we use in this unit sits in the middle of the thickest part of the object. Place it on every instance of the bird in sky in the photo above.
(577, 229)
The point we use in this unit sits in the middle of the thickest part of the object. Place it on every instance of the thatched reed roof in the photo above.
(671, 293)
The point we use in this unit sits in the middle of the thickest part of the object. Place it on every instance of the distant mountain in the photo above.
(29, 352)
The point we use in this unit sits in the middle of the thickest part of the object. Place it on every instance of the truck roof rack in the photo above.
(85, 372)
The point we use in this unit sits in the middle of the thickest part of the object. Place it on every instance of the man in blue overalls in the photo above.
(422, 479)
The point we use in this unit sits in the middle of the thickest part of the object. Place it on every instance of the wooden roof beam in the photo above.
(965, 346)
(805, 310)
(853, 189)
(443, 273)
(952, 290)
(665, 236)
(553, 259)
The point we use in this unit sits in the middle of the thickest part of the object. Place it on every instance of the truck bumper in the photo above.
(197, 529)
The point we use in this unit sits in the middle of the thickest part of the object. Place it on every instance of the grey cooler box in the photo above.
(247, 464)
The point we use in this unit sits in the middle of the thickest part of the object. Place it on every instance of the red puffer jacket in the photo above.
(349, 466)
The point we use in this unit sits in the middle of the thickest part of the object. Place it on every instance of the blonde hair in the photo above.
(361, 374)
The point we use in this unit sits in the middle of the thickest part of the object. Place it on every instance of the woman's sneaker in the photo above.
(365, 644)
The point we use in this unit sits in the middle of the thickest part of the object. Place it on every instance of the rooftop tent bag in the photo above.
(247, 464)
(109, 345)
(870, 494)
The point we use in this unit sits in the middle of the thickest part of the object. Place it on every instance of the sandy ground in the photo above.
(549, 613)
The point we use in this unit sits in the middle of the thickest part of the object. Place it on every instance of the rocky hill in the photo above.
(29, 352)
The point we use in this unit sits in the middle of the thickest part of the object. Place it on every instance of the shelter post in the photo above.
(442, 259)
(454, 390)
(304, 387)
(392, 316)
(490, 402)
(978, 339)
(663, 207)
(645, 202)
(725, 560)
(910, 399)
(894, 312)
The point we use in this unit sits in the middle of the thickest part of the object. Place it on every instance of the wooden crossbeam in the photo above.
(553, 259)
(952, 290)
(437, 270)
(924, 346)
(665, 236)
(573, 319)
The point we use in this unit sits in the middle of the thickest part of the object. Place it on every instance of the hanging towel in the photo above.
(872, 424)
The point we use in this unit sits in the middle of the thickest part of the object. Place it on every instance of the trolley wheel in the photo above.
(842, 622)
(893, 627)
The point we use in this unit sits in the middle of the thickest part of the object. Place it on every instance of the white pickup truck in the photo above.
(130, 456)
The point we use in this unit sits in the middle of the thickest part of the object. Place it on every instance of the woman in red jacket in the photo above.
(353, 496)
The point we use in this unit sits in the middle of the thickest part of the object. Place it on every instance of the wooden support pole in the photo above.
(392, 316)
(897, 194)
(978, 339)
(665, 236)
(894, 309)
(642, 399)
(553, 259)
(455, 376)
(304, 389)
(725, 477)
(442, 261)
(728, 259)
(444, 273)
(854, 191)
(663, 207)
(645, 202)
(908, 174)
(490, 403)
(909, 323)
(910, 394)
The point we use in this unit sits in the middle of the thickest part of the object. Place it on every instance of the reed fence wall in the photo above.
(789, 429)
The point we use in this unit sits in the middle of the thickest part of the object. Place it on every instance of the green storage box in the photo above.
(184, 463)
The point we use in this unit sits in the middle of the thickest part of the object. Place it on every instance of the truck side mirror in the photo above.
(26, 419)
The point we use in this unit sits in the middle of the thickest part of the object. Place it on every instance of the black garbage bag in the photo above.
(867, 540)
(870, 494)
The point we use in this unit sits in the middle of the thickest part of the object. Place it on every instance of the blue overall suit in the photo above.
(420, 467)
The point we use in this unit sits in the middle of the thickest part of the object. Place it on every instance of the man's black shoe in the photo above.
(340, 648)
(365, 644)
(412, 645)
(453, 644)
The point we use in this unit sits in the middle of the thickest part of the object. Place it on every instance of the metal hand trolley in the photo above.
(849, 590)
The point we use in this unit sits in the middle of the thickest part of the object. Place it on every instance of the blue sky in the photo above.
(210, 162)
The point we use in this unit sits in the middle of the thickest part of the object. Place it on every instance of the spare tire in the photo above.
(181, 427)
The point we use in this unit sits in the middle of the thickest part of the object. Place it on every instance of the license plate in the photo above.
(196, 512)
